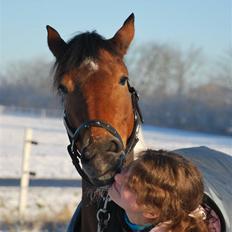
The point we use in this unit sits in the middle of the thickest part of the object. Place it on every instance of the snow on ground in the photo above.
(170, 139)
(49, 159)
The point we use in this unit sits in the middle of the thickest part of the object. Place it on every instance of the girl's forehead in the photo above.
(126, 170)
(129, 168)
(127, 173)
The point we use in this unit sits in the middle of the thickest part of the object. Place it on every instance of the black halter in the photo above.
(73, 134)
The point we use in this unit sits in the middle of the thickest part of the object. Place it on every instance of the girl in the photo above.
(160, 192)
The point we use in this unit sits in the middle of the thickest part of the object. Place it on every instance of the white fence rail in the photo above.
(24, 183)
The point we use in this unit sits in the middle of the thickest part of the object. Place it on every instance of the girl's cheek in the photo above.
(127, 195)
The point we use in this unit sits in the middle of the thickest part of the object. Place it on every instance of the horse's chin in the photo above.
(105, 175)
(104, 181)
(101, 178)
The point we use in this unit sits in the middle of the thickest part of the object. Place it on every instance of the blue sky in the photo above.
(202, 23)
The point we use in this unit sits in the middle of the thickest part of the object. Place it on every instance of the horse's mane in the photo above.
(80, 47)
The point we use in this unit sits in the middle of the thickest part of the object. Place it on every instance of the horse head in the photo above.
(92, 78)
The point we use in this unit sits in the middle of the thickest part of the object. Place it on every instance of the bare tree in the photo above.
(223, 72)
(164, 69)
(188, 67)
(27, 84)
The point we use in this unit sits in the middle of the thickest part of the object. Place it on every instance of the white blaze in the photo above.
(92, 65)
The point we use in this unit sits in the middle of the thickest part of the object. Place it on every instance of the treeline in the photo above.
(200, 110)
(182, 89)
(28, 85)
(179, 89)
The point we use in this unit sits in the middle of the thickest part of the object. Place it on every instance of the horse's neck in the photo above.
(88, 192)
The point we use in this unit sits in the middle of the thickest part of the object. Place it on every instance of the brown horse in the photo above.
(101, 110)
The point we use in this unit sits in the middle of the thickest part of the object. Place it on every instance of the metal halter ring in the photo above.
(104, 213)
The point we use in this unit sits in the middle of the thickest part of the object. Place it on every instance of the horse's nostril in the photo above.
(98, 150)
(115, 145)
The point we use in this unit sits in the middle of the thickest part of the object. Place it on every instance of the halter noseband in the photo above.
(74, 135)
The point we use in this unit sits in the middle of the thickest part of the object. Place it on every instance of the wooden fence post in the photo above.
(25, 174)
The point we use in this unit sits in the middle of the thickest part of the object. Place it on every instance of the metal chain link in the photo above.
(103, 215)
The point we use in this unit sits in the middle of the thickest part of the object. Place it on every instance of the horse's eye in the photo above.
(123, 80)
(62, 89)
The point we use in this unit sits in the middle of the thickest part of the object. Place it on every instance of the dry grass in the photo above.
(42, 223)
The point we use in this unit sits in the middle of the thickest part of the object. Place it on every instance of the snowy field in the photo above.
(49, 159)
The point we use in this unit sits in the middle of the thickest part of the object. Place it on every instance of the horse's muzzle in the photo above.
(104, 178)
(103, 159)
(111, 147)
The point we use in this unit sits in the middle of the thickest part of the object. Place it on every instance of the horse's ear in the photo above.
(124, 36)
(55, 43)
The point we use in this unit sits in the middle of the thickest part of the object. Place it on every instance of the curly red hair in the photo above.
(170, 184)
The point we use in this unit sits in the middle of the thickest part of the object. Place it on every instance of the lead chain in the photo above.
(103, 216)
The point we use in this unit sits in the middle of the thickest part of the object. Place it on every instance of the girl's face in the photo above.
(126, 199)
(122, 196)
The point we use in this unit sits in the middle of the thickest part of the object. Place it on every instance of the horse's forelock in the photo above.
(81, 49)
